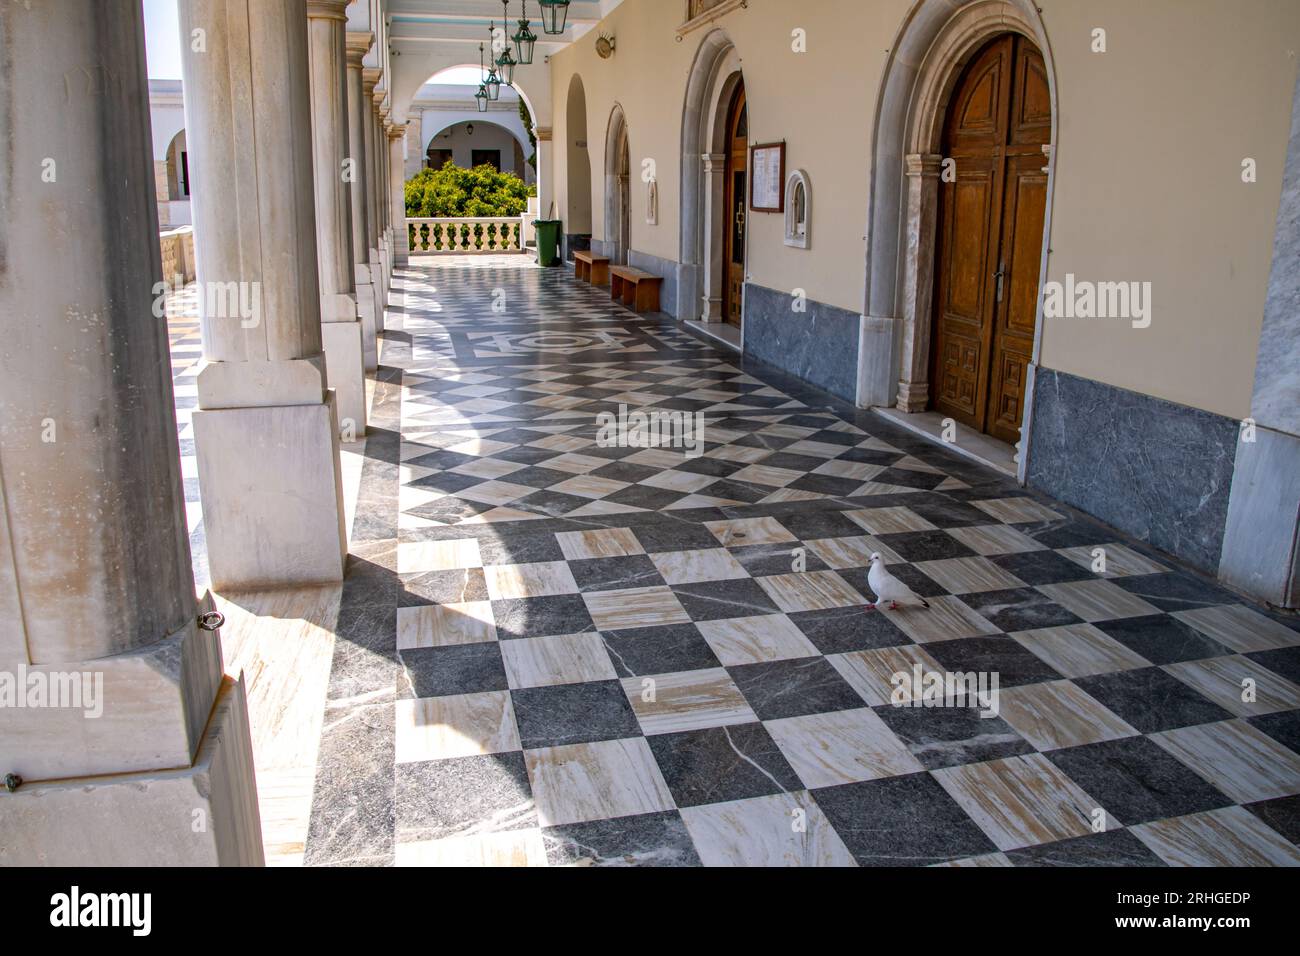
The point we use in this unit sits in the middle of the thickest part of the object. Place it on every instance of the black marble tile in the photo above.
(794, 688)
(1151, 700)
(639, 652)
(673, 534)
(762, 560)
(610, 574)
(1042, 567)
(353, 808)
(573, 714)
(1162, 639)
(451, 671)
(625, 471)
(952, 736)
(647, 839)
(551, 503)
(819, 522)
(1019, 609)
(925, 545)
(443, 587)
(720, 764)
(992, 655)
(843, 629)
(718, 600)
(1283, 727)
(541, 616)
(463, 796)
(1172, 591)
(1282, 660)
(524, 455)
(793, 462)
(744, 492)
(1282, 814)
(522, 548)
(447, 482)
(1136, 781)
(946, 513)
(1111, 848)
(644, 496)
(441, 460)
(901, 821)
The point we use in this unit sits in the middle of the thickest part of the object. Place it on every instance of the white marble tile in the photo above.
(889, 520)
(1097, 600)
(1079, 650)
(871, 673)
(687, 700)
(508, 848)
(1231, 836)
(968, 575)
(752, 640)
(946, 619)
(735, 534)
(418, 557)
(845, 746)
(468, 725)
(1245, 763)
(511, 581)
(684, 567)
(995, 539)
(596, 781)
(780, 830)
(443, 625)
(548, 661)
(1240, 628)
(1056, 714)
(599, 543)
(1239, 685)
(634, 607)
(810, 591)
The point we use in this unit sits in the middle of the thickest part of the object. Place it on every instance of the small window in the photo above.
(798, 210)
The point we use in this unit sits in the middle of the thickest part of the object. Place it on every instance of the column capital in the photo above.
(370, 77)
(714, 162)
(395, 131)
(359, 43)
(543, 133)
(922, 164)
(327, 10)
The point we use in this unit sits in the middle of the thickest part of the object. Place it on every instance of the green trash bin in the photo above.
(548, 241)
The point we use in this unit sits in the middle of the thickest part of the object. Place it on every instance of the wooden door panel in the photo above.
(736, 214)
(969, 207)
(1031, 99)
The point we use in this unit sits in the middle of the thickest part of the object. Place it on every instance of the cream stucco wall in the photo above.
(1148, 187)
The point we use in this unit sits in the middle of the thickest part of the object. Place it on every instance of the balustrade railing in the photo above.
(492, 234)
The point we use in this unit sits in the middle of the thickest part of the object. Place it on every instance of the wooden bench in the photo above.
(591, 267)
(638, 290)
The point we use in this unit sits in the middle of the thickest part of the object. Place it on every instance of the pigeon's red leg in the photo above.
(870, 607)
(893, 605)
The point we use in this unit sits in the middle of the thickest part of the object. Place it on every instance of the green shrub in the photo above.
(455, 193)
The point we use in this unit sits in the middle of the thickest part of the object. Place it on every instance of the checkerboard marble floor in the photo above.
(182, 311)
(555, 652)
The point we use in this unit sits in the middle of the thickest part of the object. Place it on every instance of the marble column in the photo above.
(359, 191)
(381, 190)
(140, 734)
(922, 171)
(546, 171)
(369, 77)
(343, 318)
(714, 170)
(1260, 552)
(267, 430)
(397, 193)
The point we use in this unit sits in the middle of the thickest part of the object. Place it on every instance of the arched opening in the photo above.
(737, 190)
(712, 89)
(929, 56)
(618, 189)
(577, 218)
(471, 143)
(992, 205)
(178, 168)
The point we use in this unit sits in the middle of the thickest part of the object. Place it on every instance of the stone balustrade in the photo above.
(178, 253)
(489, 234)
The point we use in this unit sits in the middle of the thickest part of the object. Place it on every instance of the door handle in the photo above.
(999, 275)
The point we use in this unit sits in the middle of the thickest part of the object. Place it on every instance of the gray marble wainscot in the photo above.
(819, 346)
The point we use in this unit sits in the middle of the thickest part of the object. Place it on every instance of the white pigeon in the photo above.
(889, 588)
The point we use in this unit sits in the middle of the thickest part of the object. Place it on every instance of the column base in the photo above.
(377, 284)
(369, 322)
(1259, 543)
(204, 814)
(344, 344)
(913, 396)
(272, 494)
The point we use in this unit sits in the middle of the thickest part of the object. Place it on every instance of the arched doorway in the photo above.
(991, 210)
(618, 189)
(737, 191)
(578, 201)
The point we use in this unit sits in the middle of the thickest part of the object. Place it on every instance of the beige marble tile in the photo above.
(1097, 600)
(889, 520)
(883, 488)
(741, 453)
(635, 607)
(995, 539)
(576, 464)
(815, 449)
(852, 552)
(1243, 762)
(946, 619)
(496, 492)
(479, 447)
(683, 481)
(600, 543)
(596, 781)
(548, 661)
(1223, 680)
(752, 640)
(988, 859)
(565, 443)
(442, 625)
(658, 458)
(487, 468)
(509, 848)
(1120, 561)
(845, 746)
(1240, 628)
(810, 591)
(735, 534)
(410, 498)
(509, 581)
(589, 486)
(764, 475)
(1079, 650)
(687, 700)
(468, 725)
(781, 830)
(684, 567)
(856, 470)
(870, 672)
(1021, 801)
(1017, 510)
(1056, 714)
(968, 575)
(1231, 836)
(420, 556)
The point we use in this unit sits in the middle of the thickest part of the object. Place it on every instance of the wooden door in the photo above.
(737, 196)
(989, 237)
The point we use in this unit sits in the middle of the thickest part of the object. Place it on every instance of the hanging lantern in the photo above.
(525, 39)
(493, 85)
(506, 61)
(555, 14)
(481, 97)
